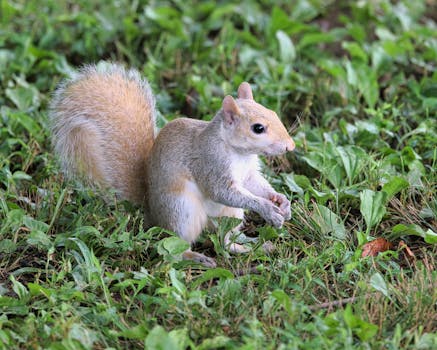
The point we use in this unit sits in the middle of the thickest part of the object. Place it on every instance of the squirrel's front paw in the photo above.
(273, 215)
(285, 206)
(283, 203)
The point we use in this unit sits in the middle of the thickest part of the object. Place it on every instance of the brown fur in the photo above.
(113, 109)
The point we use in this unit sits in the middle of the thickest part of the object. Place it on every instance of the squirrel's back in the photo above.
(103, 127)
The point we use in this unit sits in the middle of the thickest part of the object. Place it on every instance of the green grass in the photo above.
(357, 84)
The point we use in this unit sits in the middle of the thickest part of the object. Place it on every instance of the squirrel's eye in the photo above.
(258, 128)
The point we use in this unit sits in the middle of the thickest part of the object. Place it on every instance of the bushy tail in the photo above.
(103, 127)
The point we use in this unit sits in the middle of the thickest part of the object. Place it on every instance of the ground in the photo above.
(356, 85)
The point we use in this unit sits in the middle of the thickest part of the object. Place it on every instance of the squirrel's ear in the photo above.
(245, 91)
(230, 110)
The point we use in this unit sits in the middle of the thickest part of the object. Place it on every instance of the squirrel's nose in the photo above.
(290, 145)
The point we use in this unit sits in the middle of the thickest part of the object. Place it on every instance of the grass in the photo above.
(356, 82)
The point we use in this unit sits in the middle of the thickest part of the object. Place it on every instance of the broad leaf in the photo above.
(406, 230)
(328, 222)
(286, 47)
(372, 207)
(394, 186)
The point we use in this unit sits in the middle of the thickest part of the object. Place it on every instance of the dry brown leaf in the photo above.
(226, 329)
(376, 246)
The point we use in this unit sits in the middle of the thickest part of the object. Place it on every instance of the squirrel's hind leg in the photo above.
(192, 225)
(186, 216)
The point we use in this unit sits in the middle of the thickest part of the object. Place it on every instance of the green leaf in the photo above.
(279, 20)
(301, 184)
(394, 186)
(333, 68)
(29, 124)
(18, 288)
(33, 224)
(355, 50)
(7, 246)
(181, 337)
(289, 180)
(160, 339)
(283, 299)
(302, 181)
(363, 77)
(136, 332)
(168, 18)
(414, 230)
(39, 238)
(326, 163)
(353, 158)
(36, 289)
(430, 236)
(362, 238)
(328, 222)
(13, 306)
(217, 273)
(267, 233)
(380, 59)
(180, 287)
(24, 97)
(364, 330)
(175, 245)
(21, 175)
(87, 254)
(286, 47)
(368, 84)
(317, 38)
(352, 77)
(172, 248)
(372, 207)
(218, 342)
(84, 335)
(378, 283)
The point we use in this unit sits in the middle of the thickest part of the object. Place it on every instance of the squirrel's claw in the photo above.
(200, 258)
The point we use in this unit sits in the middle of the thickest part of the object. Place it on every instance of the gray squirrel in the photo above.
(104, 133)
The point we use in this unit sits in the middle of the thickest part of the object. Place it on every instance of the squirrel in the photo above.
(104, 133)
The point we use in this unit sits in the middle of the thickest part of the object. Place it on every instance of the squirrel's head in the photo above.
(252, 128)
